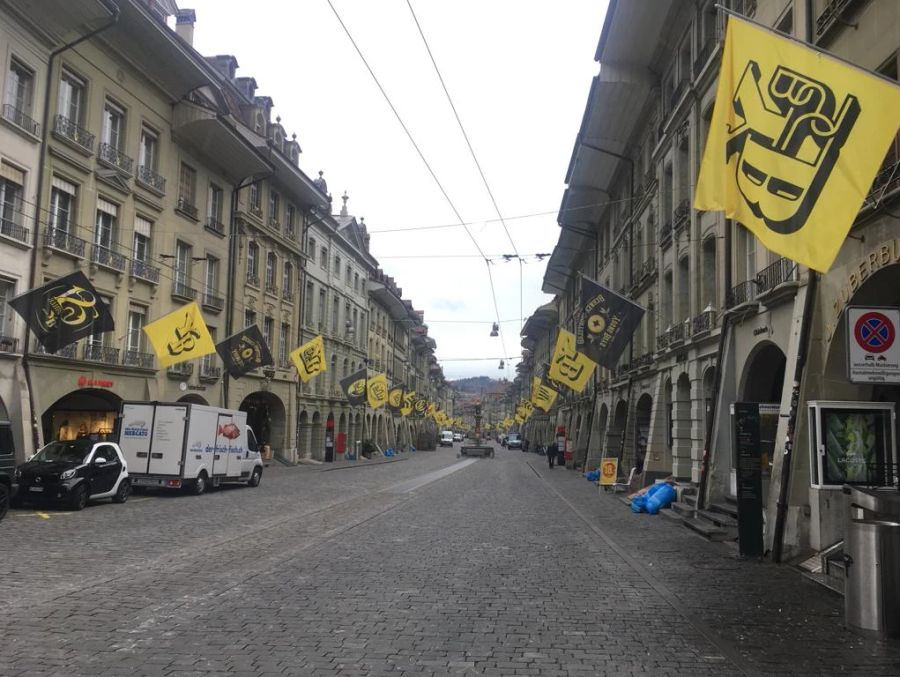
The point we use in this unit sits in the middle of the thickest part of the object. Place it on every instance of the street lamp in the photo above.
(495, 330)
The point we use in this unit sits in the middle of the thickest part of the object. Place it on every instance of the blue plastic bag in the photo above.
(661, 498)
(637, 503)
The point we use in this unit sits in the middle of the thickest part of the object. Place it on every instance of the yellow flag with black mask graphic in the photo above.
(377, 393)
(309, 359)
(542, 396)
(795, 141)
(568, 366)
(180, 336)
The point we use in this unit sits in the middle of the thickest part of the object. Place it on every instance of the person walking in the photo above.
(552, 450)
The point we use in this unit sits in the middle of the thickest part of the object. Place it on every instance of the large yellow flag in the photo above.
(409, 403)
(568, 366)
(310, 359)
(795, 141)
(180, 336)
(542, 396)
(377, 393)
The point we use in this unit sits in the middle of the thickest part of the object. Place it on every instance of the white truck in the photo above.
(178, 445)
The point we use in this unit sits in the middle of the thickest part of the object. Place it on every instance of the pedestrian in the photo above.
(552, 450)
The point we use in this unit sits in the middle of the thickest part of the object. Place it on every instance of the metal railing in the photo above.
(887, 179)
(9, 344)
(665, 234)
(94, 352)
(210, 373)
(104, 256)
(210, 300)
(677, 332)
(13, 230)
(253, 278)
(151, 179)
(115, 158)
(678, 92)
(275, 224)
(287, 294)
(64, 127)
(64, 242)
(741, 293)
(215, 226)
(70, 351)
(703, 323)
(643, 361)
(144, 271)
(703, 57)
(181, 290)
(21, 119)
(182, 369)
(648, 268)
(783, 270)
(186, 207)
(682, 213)
(830, 15)
(256, 211)
(272, 288)
(135, 358)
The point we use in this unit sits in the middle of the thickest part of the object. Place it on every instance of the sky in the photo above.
(518, 74)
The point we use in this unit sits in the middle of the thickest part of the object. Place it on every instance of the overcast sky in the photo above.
(518, 73)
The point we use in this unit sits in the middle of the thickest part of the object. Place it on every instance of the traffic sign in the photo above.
(873, 353)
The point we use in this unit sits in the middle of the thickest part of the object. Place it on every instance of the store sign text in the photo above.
(85, 382)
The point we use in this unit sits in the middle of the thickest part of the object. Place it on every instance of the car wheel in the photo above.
(79, 498)
(4, 501)
(124, 491)
(255, 478)
(200, 484)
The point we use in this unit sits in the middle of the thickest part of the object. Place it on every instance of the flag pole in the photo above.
(804, 43)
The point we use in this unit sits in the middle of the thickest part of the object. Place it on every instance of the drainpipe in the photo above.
(39, 192)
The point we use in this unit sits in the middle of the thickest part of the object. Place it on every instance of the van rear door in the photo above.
(167, 441)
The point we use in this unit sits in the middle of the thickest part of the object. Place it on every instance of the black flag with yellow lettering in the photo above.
(245, 351)
(354, 387)
(63, 310)
(608, 321)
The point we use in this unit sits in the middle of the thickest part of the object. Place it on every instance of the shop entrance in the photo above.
(82, 413)
(266, 417)
(642, 430)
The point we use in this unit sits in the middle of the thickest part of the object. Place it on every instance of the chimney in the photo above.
(184, 25)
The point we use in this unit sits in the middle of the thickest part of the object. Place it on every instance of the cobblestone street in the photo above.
(433, 565)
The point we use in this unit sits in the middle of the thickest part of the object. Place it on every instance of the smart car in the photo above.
(73, 472)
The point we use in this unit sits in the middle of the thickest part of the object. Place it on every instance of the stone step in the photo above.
(719, 519)
(725, 508)
(689, 498)
(671, 515)
(683, 509)
(710, 531)
(833, 583)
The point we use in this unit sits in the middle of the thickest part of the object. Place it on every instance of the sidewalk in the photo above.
(768, 614)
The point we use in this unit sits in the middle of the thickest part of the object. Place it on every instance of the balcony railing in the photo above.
(180, 290)
(682, 213)
(783, 270)
(703, 323)
(677, 332)
(212, 301)
(13, 230)
(886, 181)
(64, 242)
(180, 370)
(135, 358)
(253, 278)
(287, 294)
(106, 257)
(96, 353)
(648, 268)
(21, 119)
(643, 361)
(65, 128)
(830, 15)
(151, 179)
(112, 156)
(144, 271)
(649, 179)
(256, 211)
(275, 224)
(209, 373)
(741, 293)
(186, 207)
(272, 288)
(665, 234)
(703, 57)
(9, 344)
(215, 226)
(69, 352)
(679, 91)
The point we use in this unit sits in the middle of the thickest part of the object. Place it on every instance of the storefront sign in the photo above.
(609, 469)
(749, 478)
(873, 348)
(85, 382)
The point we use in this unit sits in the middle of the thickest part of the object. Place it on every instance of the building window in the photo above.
(348, 274)
(208, 362)
(347, 320)
(335, 315)
(141, 250)
(134, 342)
(62, 205)
(113, 126)
(214, 208)
(324, 258)
(311, 248)
(287, 278)
(268, 330)
(106, 226)
(187, 189)
(308, 303)
(19, 94)
(249, 318)
(283, 344)
(96, 342)
(7, 316)
(182, 267)
(253, 263)
(337, 265)
(291, 220)
(212, 276)
(356, 282)
(12, 182)
(70, 102)
(322, 309)
(148, 158)
(255, 206)
(274, 207)
(271, 270)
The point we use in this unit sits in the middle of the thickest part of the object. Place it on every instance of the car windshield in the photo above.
(71, 451)
(513, 437)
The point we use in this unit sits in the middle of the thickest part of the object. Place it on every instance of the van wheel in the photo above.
(79, 498)
(200, 484)
(124, 491)
(255, 478)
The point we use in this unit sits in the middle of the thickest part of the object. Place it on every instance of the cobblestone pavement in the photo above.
(430, 566)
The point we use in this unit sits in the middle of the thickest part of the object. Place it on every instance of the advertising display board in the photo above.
(749, 478)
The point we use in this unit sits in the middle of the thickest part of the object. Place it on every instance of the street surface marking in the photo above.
(41, 514)
(428, 478)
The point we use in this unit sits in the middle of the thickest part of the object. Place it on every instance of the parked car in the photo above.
(446, 438)
(457, 437)
(7, 468)
(513, 441)
(74, 472)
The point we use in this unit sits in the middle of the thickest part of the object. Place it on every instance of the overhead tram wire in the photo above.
(437, 181)
(469, 145)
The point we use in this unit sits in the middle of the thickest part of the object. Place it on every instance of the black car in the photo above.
(74, 472)
(7, 467)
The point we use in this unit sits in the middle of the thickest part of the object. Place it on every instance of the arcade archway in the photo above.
(266, 417)
(82, 413)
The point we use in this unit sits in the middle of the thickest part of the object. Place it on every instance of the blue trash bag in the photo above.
(661, 498)
(637, 503)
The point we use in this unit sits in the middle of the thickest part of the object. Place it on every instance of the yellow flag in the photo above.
(541, 395)
(569, 367)
(795, 141)
(377, 393)
(180, 336)
(310, 359)
(409, 402)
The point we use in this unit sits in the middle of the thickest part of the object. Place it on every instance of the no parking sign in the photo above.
(873, 349)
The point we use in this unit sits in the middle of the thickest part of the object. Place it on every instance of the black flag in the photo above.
(64, 310)
(355, 387)
(245, 351)
(607, 322)
(420, 406)
(395, 398)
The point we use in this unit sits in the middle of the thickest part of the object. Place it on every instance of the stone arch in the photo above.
(193, 398)
(681, 428)
(616, 431)
(763, 375)
(317, 437)
(87, 411)
(267, 417)
(642, 415)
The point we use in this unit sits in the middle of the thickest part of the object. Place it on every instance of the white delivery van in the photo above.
(180, 445)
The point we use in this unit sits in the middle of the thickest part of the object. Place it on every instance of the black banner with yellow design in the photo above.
(245, 351)
(395, 398)
(608, 321)
(354, 387)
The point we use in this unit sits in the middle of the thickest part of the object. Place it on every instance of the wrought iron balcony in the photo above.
(9, 344)
(135, 358)
(64, 242)
(741, 293)
(181, 291)
(887, 180)
(180, 370)
(215, 226)
(94, 352)
(253, 278)
(644, 361)
(212, 302)
(115, 158)
(783, 270)
(665, 234)
(703, 323)
(831, 14)
(275, 224)
(186, 207)
(106, 257)
(144, 271)
(256, 211)
(64, 128)
(13, 230)
(703, 57)
(21, 119)
(648, 268)
(649, 179)
(678, 92)
(272, 288)
(287, 294)
(70, 351)
(682, 213)
(151, 179)
(209, 373)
